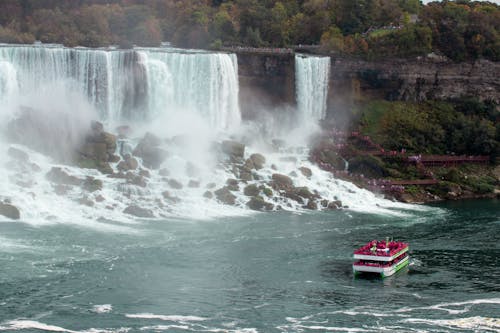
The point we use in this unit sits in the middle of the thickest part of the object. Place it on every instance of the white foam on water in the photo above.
(174, 318)
(477, 323)
(20, 324)
(103, 308)
(466, 306)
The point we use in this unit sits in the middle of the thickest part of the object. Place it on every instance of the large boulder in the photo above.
(251, 190)
(258, 203)
(97, 150)
(90, 184)
(18, 155)
(175, 184)
(59, 176)
(305, 172)
(281, 182)
(128, 163)
(138, 211)
(232, 185)
(9, 211)
(148, 149)
(258, 161)
(235, 150)
(225, 196)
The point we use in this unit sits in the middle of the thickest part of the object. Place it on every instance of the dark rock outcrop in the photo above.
(58, 175)
(251, 190)
(258, 203)
(225, 196)
(9, 211)
(138, 211)
(148, 149)
(281, 182)
(235, 150)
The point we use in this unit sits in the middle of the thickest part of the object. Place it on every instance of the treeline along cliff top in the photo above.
(461, 30)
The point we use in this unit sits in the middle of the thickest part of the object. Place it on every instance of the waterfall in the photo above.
(129, 85)
(312, 76)
(194, 82)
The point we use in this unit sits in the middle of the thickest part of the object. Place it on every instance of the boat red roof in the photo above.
(381, 248)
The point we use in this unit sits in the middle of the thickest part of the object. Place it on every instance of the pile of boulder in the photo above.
(263, 195)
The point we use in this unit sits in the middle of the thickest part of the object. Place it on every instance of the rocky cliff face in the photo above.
(269, 79)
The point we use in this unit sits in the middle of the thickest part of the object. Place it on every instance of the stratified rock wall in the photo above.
(268, 79)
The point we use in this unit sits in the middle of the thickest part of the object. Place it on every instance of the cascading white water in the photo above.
(198, 82)
(130, 85)
(189, 98)
(311, 79)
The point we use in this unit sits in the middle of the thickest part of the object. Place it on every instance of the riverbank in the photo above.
(409, 178)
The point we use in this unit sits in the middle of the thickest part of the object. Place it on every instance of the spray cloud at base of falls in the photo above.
(189, 99)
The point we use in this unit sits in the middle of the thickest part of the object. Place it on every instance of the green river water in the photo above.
(268, 272)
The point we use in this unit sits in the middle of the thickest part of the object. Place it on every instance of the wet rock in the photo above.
(232, 185)
(281, 182)
(144, 173)
(208, 195)
(148, 149)
(85, 202)
(18, 155)
(164, 172)
(267, 191)
(245, 174)
(235, 150)
(138, 211)
(99, 198)
(105, 168)
(291, 194)
(225, 196)
(305, 193)
(62, 189)
(258, 203)
(251, 190)
(128, 163)
(258, 161)
(9, 211)
(211, 185)
(312, 205)
(332, 158)
(35, 167)
(175, 184)
(170, 198)
(136, 180)
(90, 184)
(59, 176)
(324, 203)
(194, 184)
(306, 172)
(337, 204)
(113, 158)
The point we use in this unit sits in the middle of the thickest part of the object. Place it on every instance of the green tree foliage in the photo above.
(461, 30)
(433, 127)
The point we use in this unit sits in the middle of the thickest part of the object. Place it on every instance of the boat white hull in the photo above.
(383, 271)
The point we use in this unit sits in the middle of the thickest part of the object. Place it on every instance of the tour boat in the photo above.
(381, 257)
